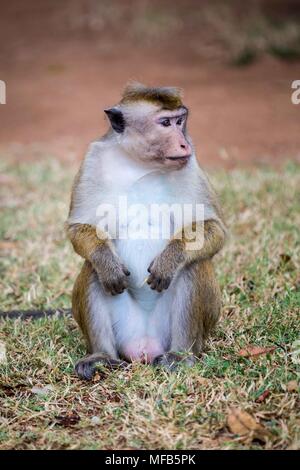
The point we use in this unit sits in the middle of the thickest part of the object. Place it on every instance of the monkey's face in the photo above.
(151, 135)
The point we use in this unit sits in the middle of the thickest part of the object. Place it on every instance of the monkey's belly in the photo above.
(141, 325)
(142, 332)
(143, 349)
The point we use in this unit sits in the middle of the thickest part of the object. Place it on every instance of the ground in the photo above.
(244, 393)
(64, 64)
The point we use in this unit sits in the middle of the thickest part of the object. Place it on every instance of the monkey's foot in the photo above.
(87, 366)
(172, 360)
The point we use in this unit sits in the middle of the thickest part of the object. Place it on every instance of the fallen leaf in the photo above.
(263, 396)
(3, 358)
(240, 422)
(243, 424)
(292, 386)
(252, 350)
(68, 419)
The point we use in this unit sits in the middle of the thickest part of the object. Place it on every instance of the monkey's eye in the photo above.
(165, 122)
(179, 121)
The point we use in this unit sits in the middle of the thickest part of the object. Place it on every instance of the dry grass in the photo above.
(42, 403)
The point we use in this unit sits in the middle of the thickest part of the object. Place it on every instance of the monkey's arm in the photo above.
(214, 234)
(177, 253)
(96, 248)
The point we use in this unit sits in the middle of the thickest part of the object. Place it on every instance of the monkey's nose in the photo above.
(185, 148)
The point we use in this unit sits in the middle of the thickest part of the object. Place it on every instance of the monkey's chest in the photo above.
(137, 256)
(145, 225)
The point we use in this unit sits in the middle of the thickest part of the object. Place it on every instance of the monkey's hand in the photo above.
(164, 267)
(111, 272)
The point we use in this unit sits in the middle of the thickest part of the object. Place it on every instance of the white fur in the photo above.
(139, 317)
(136, 326)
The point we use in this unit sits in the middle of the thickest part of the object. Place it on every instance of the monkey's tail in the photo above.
(35, 314)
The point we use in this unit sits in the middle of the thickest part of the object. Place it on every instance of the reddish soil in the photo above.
(58, 84)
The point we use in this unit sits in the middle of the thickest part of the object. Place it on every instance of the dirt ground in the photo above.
(60, 77)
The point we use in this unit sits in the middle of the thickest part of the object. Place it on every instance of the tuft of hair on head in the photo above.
(167, 97)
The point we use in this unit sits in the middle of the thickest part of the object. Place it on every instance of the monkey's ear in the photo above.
(116, 119)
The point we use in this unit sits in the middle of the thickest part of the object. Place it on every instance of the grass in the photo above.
(42, 403)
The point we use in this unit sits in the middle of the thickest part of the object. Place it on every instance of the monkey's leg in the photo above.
(87, 366)
(90, 310)
(195, 304)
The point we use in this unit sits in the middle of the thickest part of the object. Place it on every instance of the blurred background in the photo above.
(64, 62)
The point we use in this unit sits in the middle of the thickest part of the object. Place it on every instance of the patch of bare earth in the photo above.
(63, 66)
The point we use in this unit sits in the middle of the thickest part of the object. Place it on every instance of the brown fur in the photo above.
(203, 303)
(164, 267)
(166, 97)
(214, 239)
(100, 253)
(84, 239)
(80, 300)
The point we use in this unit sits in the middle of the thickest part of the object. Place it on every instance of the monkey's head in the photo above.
(150, 126)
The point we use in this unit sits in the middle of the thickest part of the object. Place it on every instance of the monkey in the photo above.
(153, 300)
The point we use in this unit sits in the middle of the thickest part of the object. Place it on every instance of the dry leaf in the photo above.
(263, 396)
(292, 386)
(3, 358)
(243, 424)
(252, 350)
(240, 422)
(68, 419)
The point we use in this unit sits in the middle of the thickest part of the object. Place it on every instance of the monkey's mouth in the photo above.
(179, 159)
